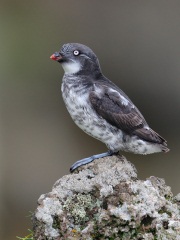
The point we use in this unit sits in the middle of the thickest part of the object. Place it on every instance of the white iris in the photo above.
(76, 52)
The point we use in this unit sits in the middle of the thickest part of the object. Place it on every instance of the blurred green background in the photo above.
(138, 45)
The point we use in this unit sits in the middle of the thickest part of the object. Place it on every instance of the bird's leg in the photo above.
(90, 159)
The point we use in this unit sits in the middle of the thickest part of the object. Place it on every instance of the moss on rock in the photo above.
(105, 200)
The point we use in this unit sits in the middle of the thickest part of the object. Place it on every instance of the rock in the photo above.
(105, 200)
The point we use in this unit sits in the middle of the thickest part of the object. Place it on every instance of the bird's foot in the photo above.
(90, 159)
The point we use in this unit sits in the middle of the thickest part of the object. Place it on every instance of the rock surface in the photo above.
(105, 200)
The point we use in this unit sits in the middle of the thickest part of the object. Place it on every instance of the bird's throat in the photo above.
(71, 67)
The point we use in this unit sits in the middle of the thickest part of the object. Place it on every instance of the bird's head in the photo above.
(77, 58)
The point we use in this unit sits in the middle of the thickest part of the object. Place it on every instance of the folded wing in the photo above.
(119, 111)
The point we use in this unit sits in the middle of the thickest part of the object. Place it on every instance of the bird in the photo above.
(100, 108)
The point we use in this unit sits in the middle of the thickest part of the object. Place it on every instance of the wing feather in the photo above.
(120, 112)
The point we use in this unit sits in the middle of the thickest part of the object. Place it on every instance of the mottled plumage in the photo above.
(100, 108)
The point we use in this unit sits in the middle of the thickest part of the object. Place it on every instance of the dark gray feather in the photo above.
(109, 105)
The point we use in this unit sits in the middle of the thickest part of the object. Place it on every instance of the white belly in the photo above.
(79, 107)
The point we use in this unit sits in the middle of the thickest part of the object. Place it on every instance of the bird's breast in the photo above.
(81, 111)
(76, 99)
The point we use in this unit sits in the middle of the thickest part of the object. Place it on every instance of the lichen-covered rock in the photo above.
(105, 200)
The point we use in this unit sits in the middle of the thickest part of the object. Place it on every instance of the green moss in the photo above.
(28, 237)
(169, 197)
(56, 222)
(164, 210)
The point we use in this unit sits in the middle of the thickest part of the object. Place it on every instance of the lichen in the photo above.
(105, 200)
(79, 205)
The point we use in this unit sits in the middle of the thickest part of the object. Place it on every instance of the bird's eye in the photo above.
(76, 52)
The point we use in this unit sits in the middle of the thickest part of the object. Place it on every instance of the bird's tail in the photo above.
(150, 135)
(164, 148)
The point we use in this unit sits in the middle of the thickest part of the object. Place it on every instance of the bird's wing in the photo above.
(119, 111)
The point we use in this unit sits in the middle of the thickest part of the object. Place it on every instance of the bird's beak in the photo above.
(56, 56)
